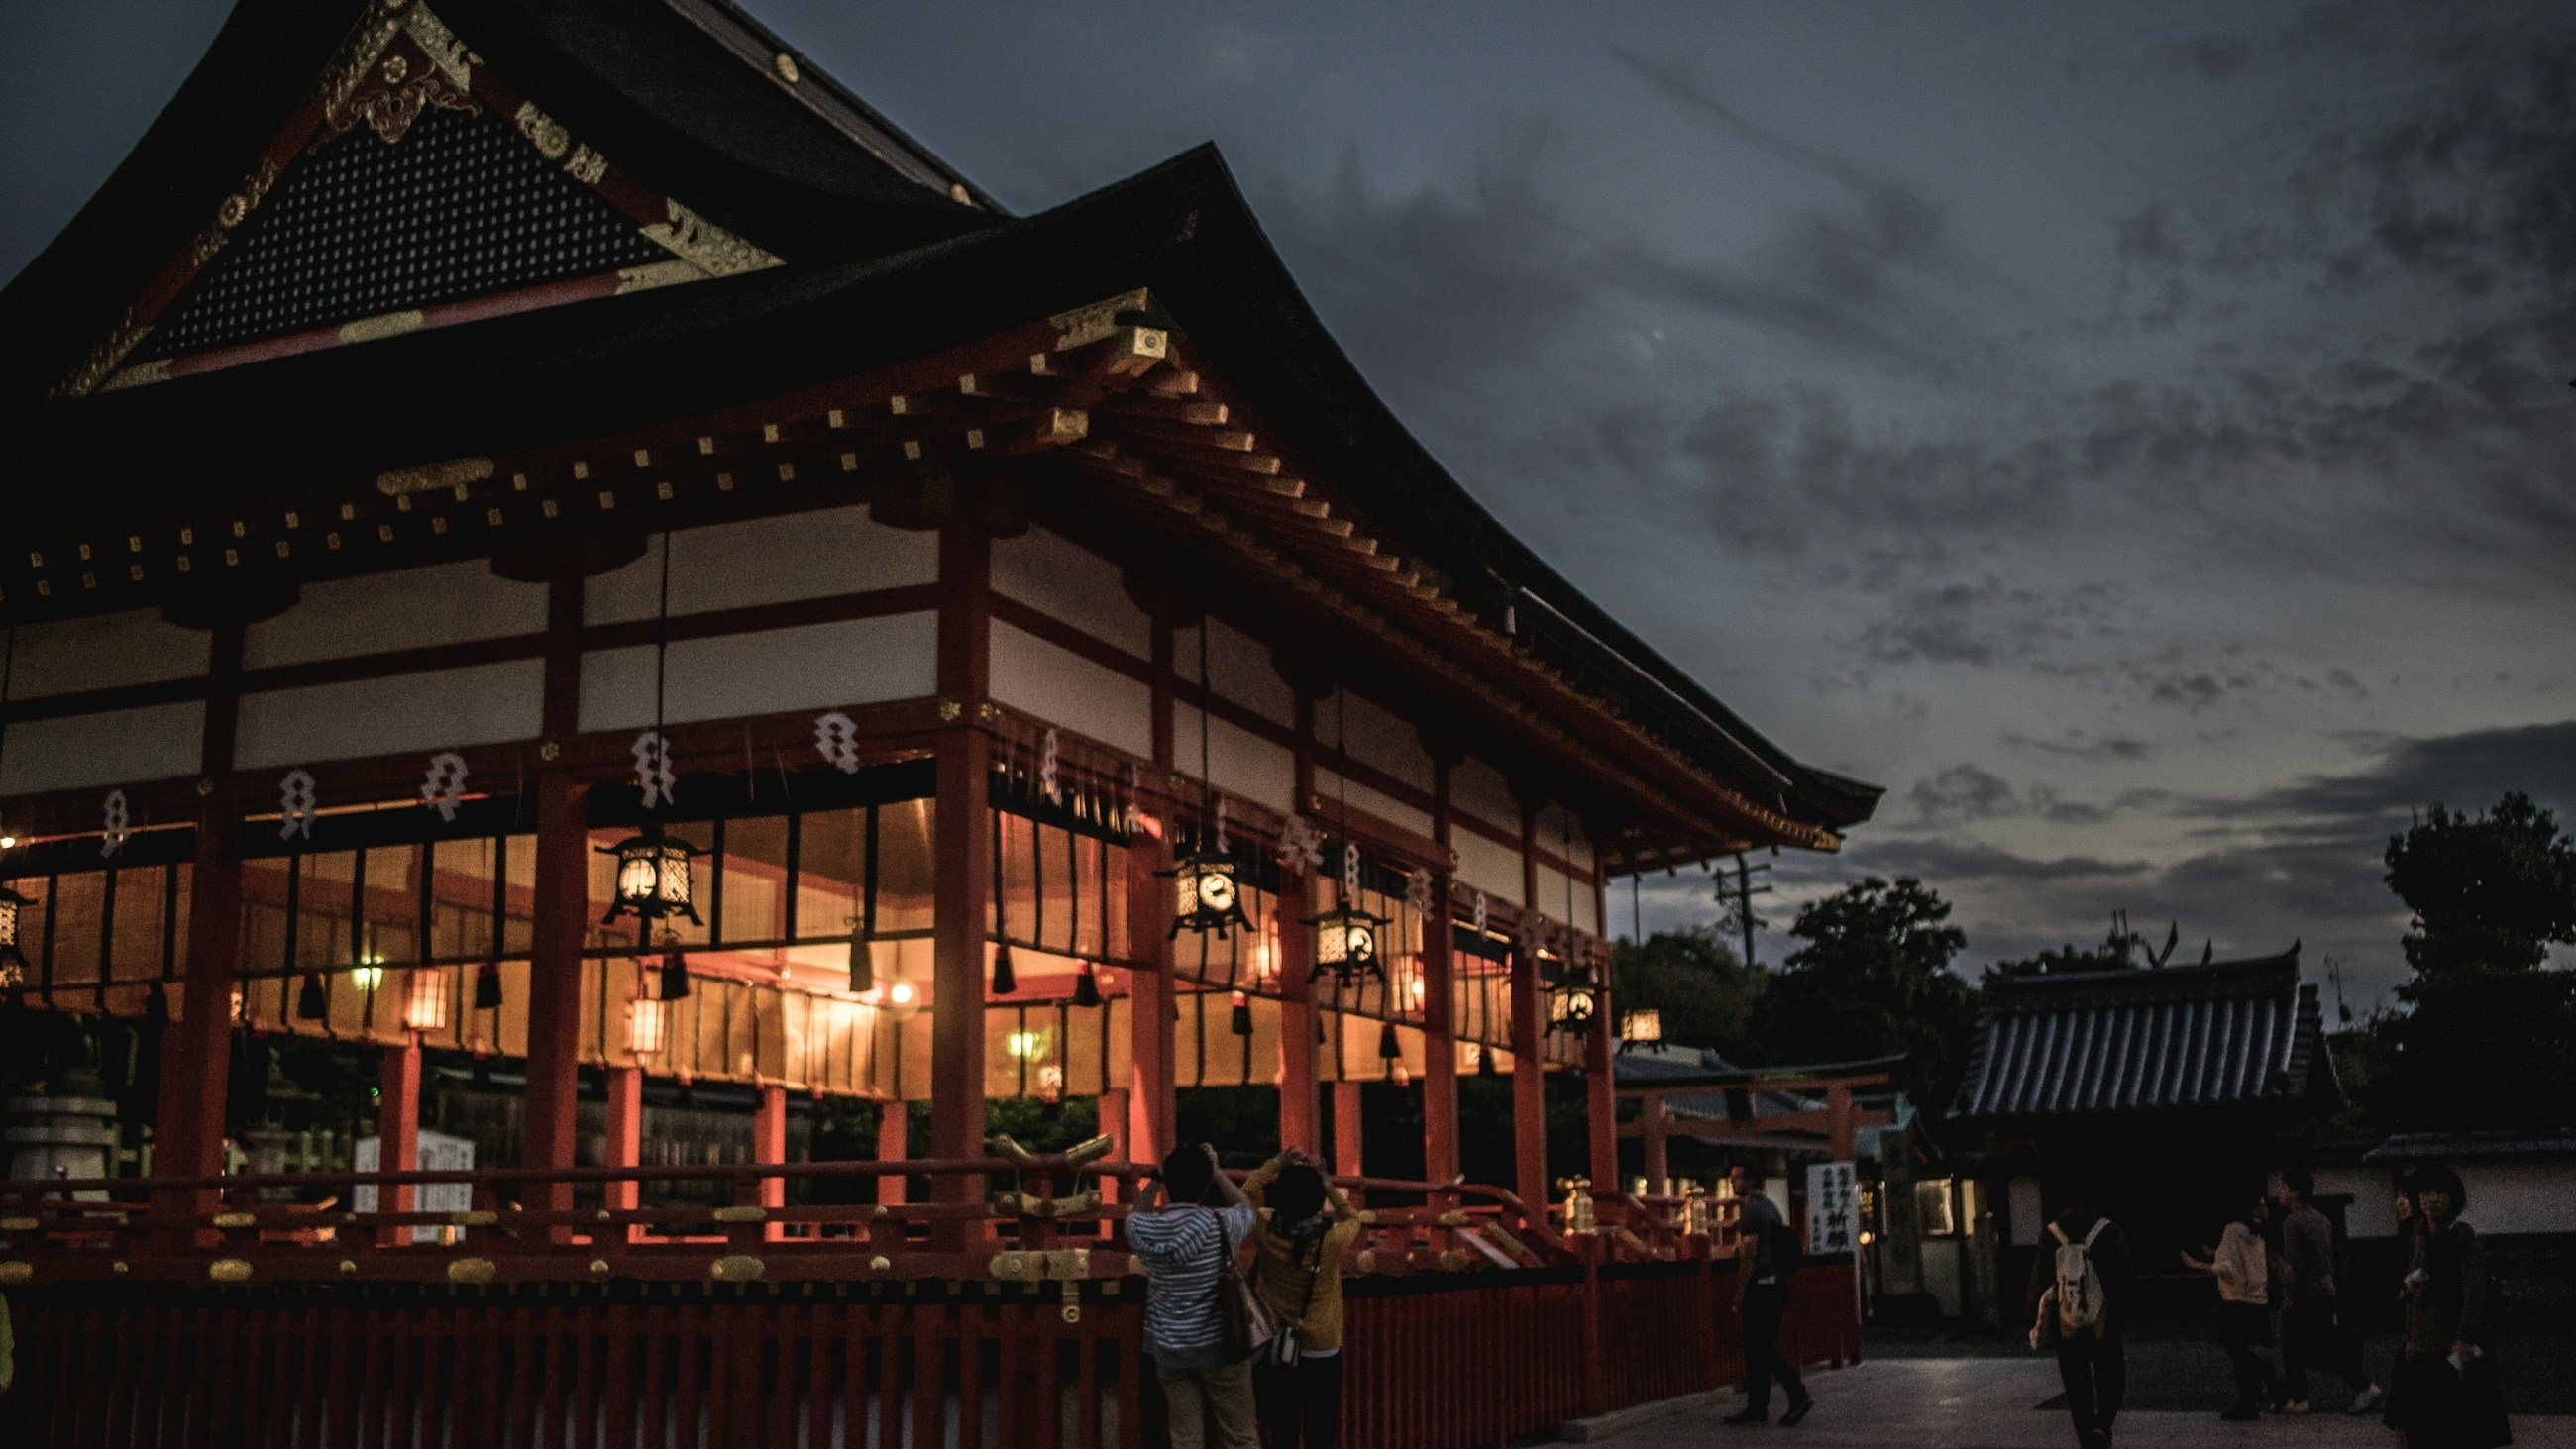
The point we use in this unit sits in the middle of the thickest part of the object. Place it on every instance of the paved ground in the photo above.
(1989, 1403)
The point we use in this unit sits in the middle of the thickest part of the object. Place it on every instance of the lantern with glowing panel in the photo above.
(653, 878)
(1205, 895)
(1346, 945)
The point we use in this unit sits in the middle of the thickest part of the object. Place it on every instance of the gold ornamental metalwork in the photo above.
(471, 1270)
(229, 1270)
(737, 1268)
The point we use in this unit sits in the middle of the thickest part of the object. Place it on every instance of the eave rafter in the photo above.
(1104, 394)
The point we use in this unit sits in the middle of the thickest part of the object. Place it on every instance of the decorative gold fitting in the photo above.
(549, 751)
(471, 1270)
(120, 1268)
(479, 1218)
(1017, 1267)
(880, 1264)
(1367, 1261)
(737, 1268)
(1070, 1295)
(229, 1270)
(19, 1225)
(949, 710)
(15, 1271)
(235, 1220)
(741, 1215)
(348, 1268)
(599, 1267)
(1098, 320)
(205, 787)
(601, 1216)
(1454, 1218)
(1453, 1261)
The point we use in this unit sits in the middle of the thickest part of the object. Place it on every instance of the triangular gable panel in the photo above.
(412, 189)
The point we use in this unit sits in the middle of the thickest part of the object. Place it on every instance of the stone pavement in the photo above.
(1988, 1403)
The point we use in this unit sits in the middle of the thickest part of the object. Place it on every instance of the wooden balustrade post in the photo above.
(562, 908)
(1652, 1131)
(769, 1142)
(622, 1143)
(1346, 1129)
(196, 1049)
(894, 1144)
(398, 1128)
(1596, 1362)
(962, 889)
(1112, 1115)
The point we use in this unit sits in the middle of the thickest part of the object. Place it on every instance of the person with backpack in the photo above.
(2313, 1334)
(1765, 1251)
(1187, 1250)
(2078, 1280)
(1297, 1269)
(2242, 1265)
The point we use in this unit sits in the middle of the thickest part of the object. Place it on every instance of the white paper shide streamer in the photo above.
(836, 739)
(443, 788)
(653, 774)
(295, 804)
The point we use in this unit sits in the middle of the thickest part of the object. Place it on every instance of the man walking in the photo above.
(1764, 1251)
(2312, 1331)
(2091, 1360)
(1185, 1248)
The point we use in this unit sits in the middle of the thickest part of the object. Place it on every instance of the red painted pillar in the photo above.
(1151, 1098)
(769, 1143)
(1600, 1071)
(624, 1139)
(196, 1050)
(398, 1125)
(1297, 1070)
(1114, 1123)
(1347, 1158)
(1439, 1006)
(1529, 1035)
(893, 1145)
(562, 910)
(962, 889)
(1650, 1132)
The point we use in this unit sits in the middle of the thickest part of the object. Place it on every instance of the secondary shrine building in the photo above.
(549, 546)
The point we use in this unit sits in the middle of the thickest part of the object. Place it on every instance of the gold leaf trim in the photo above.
(1097, 320)
(229, 1270)
(737, 1268)
(471, 1270)
(709, 247)
(373, 329)
(434, 478)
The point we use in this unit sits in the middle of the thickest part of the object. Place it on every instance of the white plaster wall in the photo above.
(1488, 867)
(1560, 833)
(1583, 916)
(1065, 581)
(410, 609)
(2520, 1197)
(1244, 764)
(1242, 668)
(116, 747)
(1478, 789)
(810, 666)
(106, 651)
(766, 561)
(2373, 1210)
(443, 709)
(1375, 736)
(1384, 807)
(1066, 689)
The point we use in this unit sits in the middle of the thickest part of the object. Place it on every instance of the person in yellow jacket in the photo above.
(1307, 1226)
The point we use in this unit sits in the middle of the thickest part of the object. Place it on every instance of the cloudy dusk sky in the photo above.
(2137, 436)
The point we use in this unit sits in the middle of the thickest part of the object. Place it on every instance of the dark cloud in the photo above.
(1988, 622)
(2079, 745)
(1951, 863)
(1965, 792)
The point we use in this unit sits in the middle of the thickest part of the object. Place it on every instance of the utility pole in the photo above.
(1745, 891)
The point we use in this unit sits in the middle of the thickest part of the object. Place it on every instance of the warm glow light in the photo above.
(901, 994)
(367, 975)
(646, 1021)
(425, 1003)
(1025, 1043)
(1646, 1024)
(8, 842)
(653, 878)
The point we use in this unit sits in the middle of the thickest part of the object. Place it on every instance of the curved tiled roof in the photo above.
(2230, 1034)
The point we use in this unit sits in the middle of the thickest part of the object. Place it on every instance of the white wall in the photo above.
(410, 609)
(1478, 789)
(1375, 736)
(1067, 582)
(1243, 764)
(2373, 1212)
(1329, 786)
(107, 651)
(1063, 688)
(118, 747)
(810, 666)
(1486, 866)
(2520, 1197)
(1241, 664)
(766, 561)
(444, 709)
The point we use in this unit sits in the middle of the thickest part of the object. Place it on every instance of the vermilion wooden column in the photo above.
(398, 1125)
(1113, 1122)
(769, 1142)
(1297, 1081)
(196, 1050)
(894, 1144)
(1529, 1033)
(1600, 1071)
(1151, 1098)
(1346, 1129)
(1439, 1005)
(546, 1136)
(623, 1141)
(962, 888)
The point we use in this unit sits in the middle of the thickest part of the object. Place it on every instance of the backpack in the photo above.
(2073, 1307)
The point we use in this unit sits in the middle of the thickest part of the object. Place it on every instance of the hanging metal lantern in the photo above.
(13, 961)
(1641, 1027)
(653, 878)
(1346, 944)
(1574, 998)
(1205, 895)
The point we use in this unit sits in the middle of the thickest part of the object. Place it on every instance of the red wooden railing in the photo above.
(183, 1315)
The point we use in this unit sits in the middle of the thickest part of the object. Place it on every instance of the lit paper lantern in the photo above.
(1346, 945)
(13, 961)
(647, 1023)
(425, 1002)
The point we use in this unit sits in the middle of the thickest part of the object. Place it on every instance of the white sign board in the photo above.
(438, 1153)
(1833, 1208)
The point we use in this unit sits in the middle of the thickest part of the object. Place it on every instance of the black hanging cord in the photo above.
(8, 675)
(662, 657)
(1207, 697)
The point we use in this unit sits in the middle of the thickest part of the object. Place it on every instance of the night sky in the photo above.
(2139, 437)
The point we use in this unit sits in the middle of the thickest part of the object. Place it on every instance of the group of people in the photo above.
(2275, 1263)
(1262, 1351)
